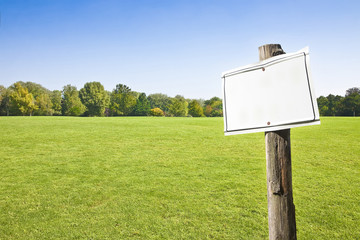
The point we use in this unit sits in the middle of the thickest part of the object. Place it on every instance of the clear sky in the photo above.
(172, 47)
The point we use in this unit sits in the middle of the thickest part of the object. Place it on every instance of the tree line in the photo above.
(29, 98)
(340, 106)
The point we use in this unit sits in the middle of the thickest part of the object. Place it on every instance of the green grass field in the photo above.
(169, 178)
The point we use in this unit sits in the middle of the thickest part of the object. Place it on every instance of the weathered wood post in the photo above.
(281, 209)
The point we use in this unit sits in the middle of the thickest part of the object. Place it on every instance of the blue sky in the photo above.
(172, 47)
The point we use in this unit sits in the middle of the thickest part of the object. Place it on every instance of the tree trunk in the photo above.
(281, 209)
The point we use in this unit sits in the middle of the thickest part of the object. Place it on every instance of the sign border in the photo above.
(263, 64)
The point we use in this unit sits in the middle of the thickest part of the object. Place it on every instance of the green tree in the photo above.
(35, 89)
(195, 109)
(22, 102)
(178, 107)
(351, 91)
(323, 103)
(44, 105)
(333, 105)
(5, 101)
(142, 107)
(56, 102)
(213, 107)
(122, 89)
(351, 105)
(42, 98)
(95, 98)
(2, 90)
(122, 101)
(208, 110)
(71, 104)
(212, 100)
(159, 100)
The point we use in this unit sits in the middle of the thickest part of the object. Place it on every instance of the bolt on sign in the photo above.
(270, 95)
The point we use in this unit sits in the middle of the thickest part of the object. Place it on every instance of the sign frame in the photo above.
(231, 126)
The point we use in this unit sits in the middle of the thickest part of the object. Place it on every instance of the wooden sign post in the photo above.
(287, 100)
(281, 209)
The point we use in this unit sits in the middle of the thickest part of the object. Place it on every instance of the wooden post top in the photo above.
(270, 50)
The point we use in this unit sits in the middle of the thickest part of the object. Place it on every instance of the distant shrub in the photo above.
(157, 112)
(216, 113)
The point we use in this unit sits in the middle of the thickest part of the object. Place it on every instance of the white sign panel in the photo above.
(271, 95)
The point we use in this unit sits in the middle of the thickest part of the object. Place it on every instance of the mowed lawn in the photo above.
(169, 178)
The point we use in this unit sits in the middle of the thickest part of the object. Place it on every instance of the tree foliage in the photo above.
(178, 107)
(71, 103)
(2, 90)
(159, 100)
(157, 112)
(42, 97)
(142, 107)
(35, 89)
(350, 91)
(28, 98)
(5, 101)
(122, 101)
(22, 102)
(95, 98)
(195, 109)
(44, 105)
(351, 105)
(122, 89)
(340, 106)
(323, 103)
(213, 107)
(56, 102)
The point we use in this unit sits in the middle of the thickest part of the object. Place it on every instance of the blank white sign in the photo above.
(270, 95)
